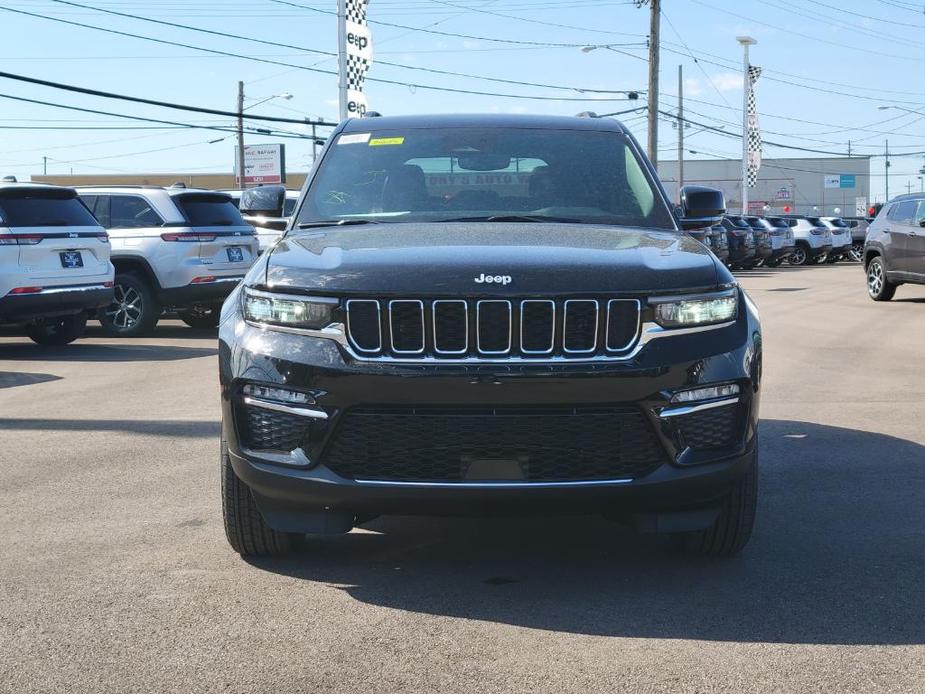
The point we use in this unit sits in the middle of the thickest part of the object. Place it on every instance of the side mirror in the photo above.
(922, 222)
(701, 207)
(264, 200)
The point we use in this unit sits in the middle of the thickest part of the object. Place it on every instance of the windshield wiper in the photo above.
(337, 223)
(515, 218)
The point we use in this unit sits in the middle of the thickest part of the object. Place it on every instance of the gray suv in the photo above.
(894, 252)
(173, 248)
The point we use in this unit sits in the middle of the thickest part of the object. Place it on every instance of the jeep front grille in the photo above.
(492, 328)
(530, 444)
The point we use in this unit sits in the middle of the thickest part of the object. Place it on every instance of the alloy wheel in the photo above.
(875, 279)
(798, 257)
(857, 252)
(126, 308)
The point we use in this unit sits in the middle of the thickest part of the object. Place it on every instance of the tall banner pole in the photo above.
(356, 55)
(342, 57)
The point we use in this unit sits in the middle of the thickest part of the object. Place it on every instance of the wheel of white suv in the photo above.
(57, 331)
(246, 530)
(134, 309)
(203, 317)
(857, 251)
(799, 255)
(878, 286)
(732, 529)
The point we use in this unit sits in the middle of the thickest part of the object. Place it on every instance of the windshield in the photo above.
(837, 223)
(43, 208)
(209, 210)
(462, 173)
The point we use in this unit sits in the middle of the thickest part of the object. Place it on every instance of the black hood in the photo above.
(448, 258)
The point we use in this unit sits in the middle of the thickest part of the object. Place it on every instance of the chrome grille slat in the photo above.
(504, 304)
(526, 330)
(368, 324)
(574, 306)
(611, 309)
(406, 331)
(524, 306)
(440, 335)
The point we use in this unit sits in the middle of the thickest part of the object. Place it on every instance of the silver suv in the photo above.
(54, 262)
(173, 248)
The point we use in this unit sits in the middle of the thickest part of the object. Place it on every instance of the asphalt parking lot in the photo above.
(115, 575)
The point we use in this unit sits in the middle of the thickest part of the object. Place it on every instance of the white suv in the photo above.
(54, 262)
(813, 241)
(173, 248)
(841, 238)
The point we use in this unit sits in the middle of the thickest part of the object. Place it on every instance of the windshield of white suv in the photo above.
(484, 174)
(205, 210)
(43, 208)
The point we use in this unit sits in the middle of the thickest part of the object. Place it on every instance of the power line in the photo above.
(154, 102)
(278, 44)
(256, 131)
(379, 22)
(304, 67)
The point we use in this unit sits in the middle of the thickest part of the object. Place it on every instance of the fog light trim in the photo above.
(725, 390)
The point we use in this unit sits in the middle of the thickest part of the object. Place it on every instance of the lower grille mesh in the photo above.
(275, 431)
(716, 428)
(448, 445)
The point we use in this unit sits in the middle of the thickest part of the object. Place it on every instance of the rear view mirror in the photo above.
(267, 201)
(483, 161)
(701, 207)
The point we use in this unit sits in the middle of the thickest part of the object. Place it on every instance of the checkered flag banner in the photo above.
(752, 129)
(359, 50)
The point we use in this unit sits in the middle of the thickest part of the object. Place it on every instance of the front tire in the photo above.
(134, 309)
(732, 529)
(878, 286)
(799, 256)
(202, 317)
(246, 530)
(55, 332)
(857, 251)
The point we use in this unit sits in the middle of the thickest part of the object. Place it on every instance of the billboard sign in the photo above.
(840, 180)
(263, 164)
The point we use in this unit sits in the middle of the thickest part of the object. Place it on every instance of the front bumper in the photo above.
(54, 301)
(300, 492)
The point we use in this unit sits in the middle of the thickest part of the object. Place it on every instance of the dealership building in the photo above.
(824, 186)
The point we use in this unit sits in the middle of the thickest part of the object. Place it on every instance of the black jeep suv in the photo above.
(486, 314)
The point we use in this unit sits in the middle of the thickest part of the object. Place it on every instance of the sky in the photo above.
(828, 67)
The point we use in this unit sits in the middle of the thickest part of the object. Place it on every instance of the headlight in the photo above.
(692, 311)
(288, 310)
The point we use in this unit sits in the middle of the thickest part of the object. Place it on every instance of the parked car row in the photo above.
(121, 254)
(744, 242)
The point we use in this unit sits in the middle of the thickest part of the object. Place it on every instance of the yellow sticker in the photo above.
(381, 141)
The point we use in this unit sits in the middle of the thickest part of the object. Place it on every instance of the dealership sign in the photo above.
(263, 164)
(840, 181)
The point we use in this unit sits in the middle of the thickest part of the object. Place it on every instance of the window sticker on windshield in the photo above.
(353, 139)
(381, 141)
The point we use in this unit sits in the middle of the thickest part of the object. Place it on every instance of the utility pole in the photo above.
(314, 144)
(849, 148)
(908, 187)
(886, 168)
(44, 166)
(655, 9)
(680, 129)
(746, 41)
(240, 166)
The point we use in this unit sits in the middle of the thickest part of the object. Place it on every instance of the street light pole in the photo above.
(746, 41)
